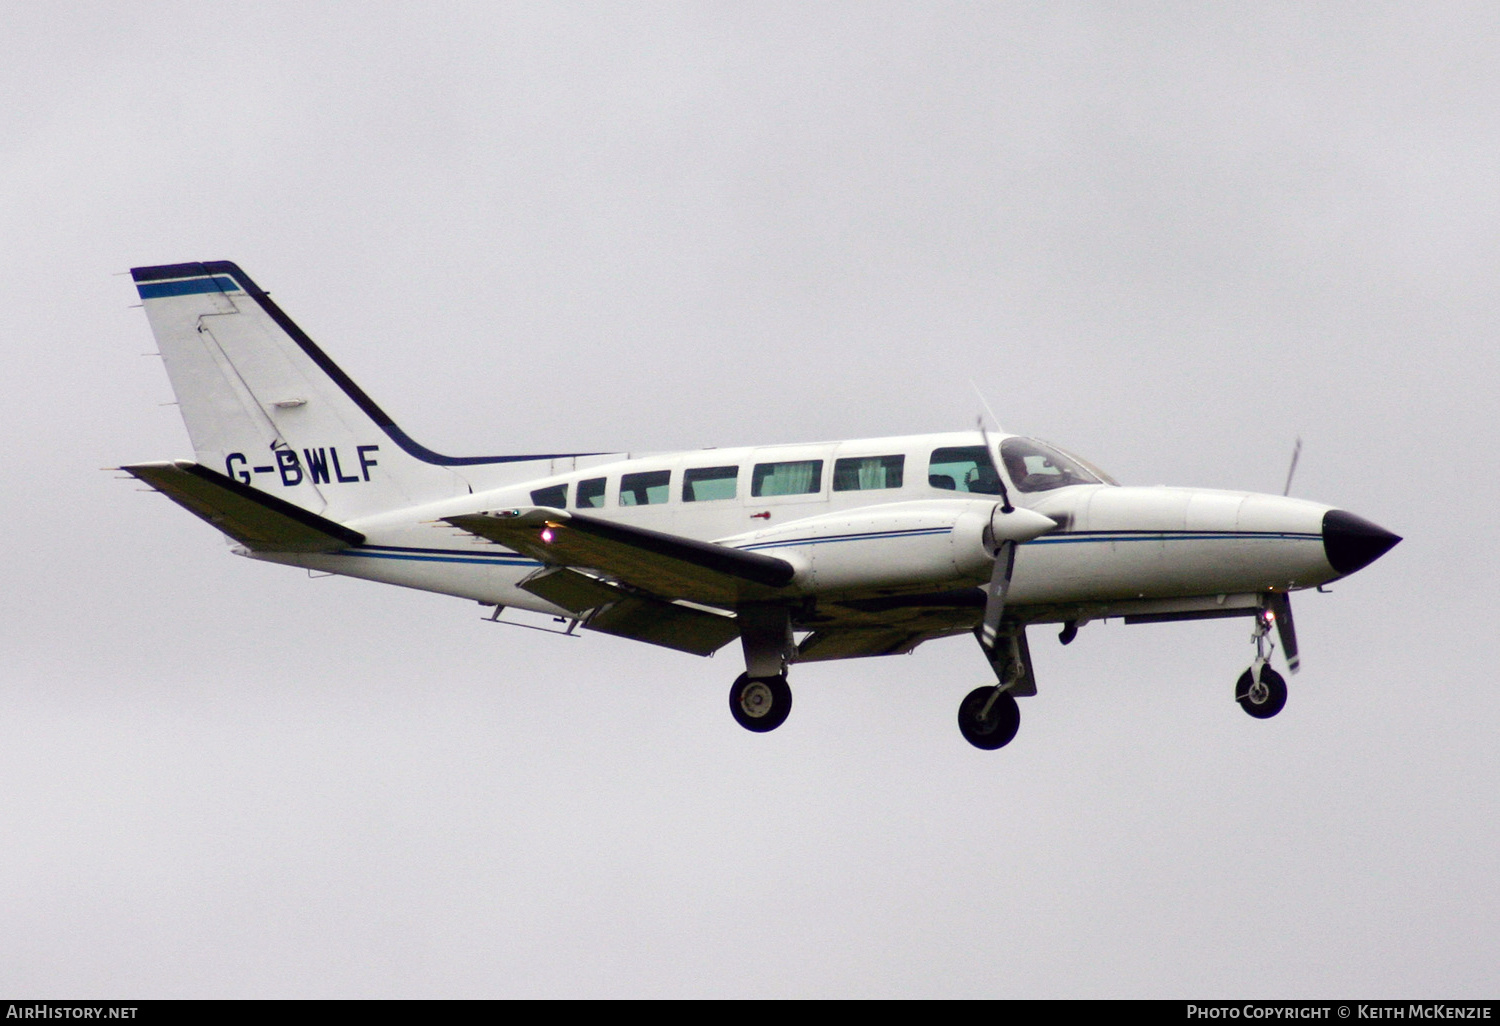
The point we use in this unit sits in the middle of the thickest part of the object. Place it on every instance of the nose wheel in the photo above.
(1261, 691)
(760, 703)
(1261, 698)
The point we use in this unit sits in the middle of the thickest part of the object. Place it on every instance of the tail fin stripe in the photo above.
(190, 287)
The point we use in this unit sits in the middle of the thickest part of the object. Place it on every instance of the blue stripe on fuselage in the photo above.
(866, 536)
(439, 555)
(1080, 537)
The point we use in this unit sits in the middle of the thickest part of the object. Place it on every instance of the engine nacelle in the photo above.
(931, 543)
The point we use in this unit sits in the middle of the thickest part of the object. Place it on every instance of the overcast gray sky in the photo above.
(1170, 236)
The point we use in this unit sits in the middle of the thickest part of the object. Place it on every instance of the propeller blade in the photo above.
(994, 602)
(1005, 506)
(1286, 630)
(1296, 451)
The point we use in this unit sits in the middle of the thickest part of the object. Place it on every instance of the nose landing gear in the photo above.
(1261, 691)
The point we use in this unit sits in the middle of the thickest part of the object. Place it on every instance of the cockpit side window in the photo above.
(1037, 467)
(963, 468)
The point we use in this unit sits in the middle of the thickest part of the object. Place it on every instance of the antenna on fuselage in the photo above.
(993, 419)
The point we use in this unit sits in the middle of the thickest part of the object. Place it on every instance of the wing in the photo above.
(633, 582)
(249, 516)
(666, 566)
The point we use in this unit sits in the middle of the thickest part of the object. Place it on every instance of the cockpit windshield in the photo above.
(1037, 467)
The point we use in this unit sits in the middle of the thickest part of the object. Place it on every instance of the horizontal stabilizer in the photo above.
(665, 565)
(249, 516)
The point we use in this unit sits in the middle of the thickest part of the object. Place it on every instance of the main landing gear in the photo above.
(989, 717)
(760, 703)
(1261, 691)
(760, 698)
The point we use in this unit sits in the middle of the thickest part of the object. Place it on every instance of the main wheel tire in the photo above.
(760, 703)
(997, 729)
(1262, 700)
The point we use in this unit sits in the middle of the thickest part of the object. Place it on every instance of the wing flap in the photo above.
(853, 644)
(249, 516)
(668, 624)
(638, 617)
(666, 565)
(570, 589)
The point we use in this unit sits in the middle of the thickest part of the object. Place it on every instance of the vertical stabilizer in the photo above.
(267, 408)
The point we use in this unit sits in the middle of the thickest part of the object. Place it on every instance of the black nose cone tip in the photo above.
(1353, 543)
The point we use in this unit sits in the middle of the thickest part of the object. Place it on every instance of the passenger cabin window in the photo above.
(801, 477)
(704, 484)
(963, 468)
(556, 496)
(646, 489)
(863, 473)
(1037, 467)
(590, 493)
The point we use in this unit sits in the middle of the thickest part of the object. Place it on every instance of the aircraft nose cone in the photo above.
(1352, 543)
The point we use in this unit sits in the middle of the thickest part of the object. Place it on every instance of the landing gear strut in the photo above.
(1261, 691)
(760, 698)
(989, 717)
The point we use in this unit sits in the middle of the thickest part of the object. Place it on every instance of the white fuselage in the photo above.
(1117, 550)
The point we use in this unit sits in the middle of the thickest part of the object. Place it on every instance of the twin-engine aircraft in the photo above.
(833, 550)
